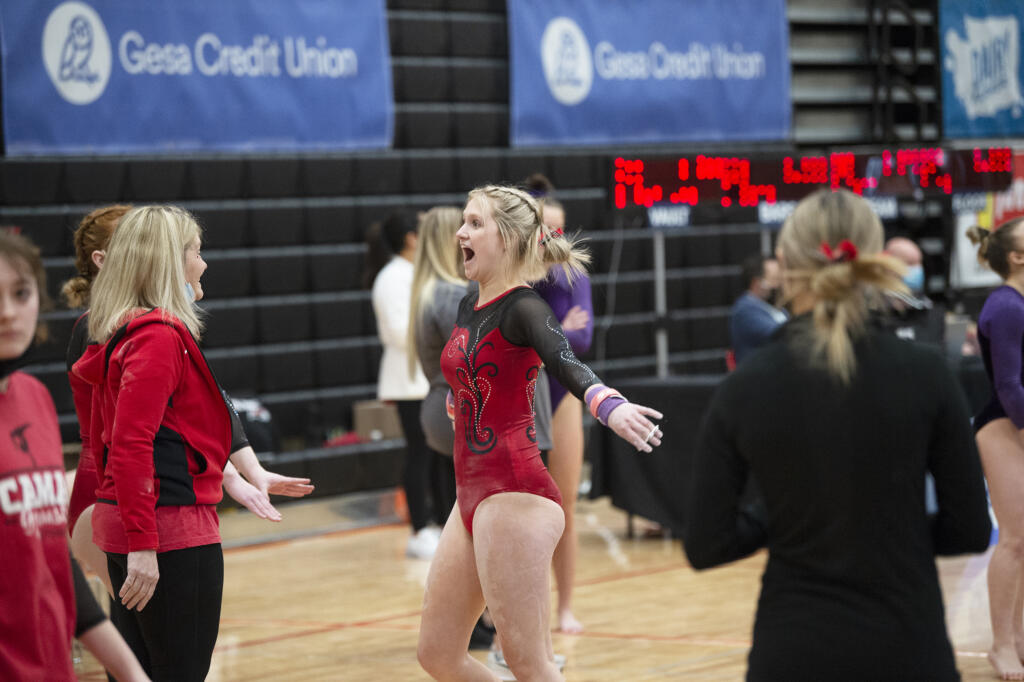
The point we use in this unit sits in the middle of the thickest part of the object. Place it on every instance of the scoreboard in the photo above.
(770, 184)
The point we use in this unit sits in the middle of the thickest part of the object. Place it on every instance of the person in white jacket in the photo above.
(391, 294)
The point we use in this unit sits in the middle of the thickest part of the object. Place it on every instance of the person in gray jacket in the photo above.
(438, 286)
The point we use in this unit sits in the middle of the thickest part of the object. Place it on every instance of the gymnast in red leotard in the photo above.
(492, 365)
(497, 545)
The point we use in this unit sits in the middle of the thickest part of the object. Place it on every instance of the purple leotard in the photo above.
(1001, 336)
(556, 290)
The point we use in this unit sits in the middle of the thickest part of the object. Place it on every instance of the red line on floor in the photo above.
(278, 638)
(639, 573)
(326, 534)
(287, 622)
(692, 639)
(324, 627)
(639, 636)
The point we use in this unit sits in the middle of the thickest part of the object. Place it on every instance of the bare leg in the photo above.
(87, 553)
(514, 535)
(452, 603)
(1002, 455)
(565, 464)
(1018, 619)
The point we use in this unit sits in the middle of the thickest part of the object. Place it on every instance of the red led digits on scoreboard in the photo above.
(631, 172)
(734, 172)
(924, 163)
(999, 160)
(813, 171)
(922, 168)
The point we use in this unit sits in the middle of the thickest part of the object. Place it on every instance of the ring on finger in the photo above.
(651, 434)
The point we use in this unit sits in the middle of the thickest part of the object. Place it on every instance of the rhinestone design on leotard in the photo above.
(531, 394)
(474, 389)
(565, 353)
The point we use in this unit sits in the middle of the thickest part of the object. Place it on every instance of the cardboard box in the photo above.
(376, 420)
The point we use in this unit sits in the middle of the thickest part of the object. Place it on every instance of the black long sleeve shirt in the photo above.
(850, 590)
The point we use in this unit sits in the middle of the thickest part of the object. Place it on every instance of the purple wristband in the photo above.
(607, 406)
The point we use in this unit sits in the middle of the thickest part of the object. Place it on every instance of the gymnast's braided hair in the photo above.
(532, 247)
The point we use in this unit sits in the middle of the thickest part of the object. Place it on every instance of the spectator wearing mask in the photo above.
(914, 317)
(754, 316)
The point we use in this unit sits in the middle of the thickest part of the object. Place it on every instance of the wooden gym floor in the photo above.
(329, 595)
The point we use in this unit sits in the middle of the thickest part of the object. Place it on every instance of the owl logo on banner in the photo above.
(984, 65)
(76, 52)
(565, 54)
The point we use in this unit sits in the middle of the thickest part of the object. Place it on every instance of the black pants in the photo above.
(416, 479)
(173, 637)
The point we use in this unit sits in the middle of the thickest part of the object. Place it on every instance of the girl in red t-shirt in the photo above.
(39, 614)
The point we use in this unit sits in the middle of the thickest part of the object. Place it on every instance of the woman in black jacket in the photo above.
(817, 448)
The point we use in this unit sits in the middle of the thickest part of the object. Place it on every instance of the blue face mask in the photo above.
(914, 279)
(190, 293)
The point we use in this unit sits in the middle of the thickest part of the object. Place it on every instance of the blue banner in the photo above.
(982, 72)
(609, 72)
(123, 76)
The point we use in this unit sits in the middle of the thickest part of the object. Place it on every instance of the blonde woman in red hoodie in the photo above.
(161, 433)
(91, 239)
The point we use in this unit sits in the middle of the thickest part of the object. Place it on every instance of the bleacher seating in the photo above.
(864, 71)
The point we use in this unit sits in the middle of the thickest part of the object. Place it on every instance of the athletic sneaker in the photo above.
(422, 544)
(496, 662)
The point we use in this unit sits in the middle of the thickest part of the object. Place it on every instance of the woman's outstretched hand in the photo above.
(278, 484)
(630, 421)
(250, 497)
(255, 495)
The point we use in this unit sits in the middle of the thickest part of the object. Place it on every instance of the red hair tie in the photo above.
(550, 235)
(844, 252)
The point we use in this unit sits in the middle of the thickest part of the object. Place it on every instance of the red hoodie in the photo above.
(160, 430)
(83, 492)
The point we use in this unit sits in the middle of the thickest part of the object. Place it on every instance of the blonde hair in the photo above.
(842, 290)
(438, 257)
(145, 268)
(530, 246)
(92, 235)
(995, 246)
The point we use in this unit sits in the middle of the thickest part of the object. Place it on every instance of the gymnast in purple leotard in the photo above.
(564, 297)
(997, 429)
(1001, 337)
(571, 304)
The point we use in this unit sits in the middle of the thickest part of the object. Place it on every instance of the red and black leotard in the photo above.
(491, 363)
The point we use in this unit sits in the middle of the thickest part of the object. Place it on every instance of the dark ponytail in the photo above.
(541, 189)
(384, 240)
